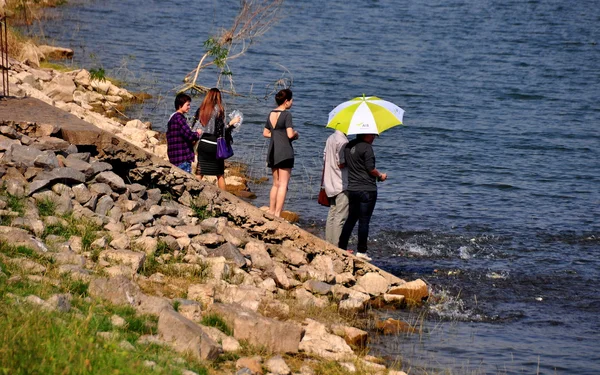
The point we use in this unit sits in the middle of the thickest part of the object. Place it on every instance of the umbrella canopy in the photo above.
(365, 115)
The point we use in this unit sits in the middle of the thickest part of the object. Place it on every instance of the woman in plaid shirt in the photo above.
(180, 138)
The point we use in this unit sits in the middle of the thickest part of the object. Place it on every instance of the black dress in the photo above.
(208, 164)
(281, 152)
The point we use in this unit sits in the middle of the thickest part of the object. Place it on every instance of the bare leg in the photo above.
(284, 179)
(221, 182)
(273, 192)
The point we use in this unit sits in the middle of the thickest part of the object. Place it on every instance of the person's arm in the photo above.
(380, 176)
(185, 129)
(369, 156)
(341, 155)
(266, 133)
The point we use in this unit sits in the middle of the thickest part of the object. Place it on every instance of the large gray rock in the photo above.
(258, 255)
(19, 154)
(51, 143)
(278, 337)
(63, 175)
(117, 290)
(229, 252)
(318, 341)
(80, 165)
(186, 336)
(20, 237)
(133, 259)
(373, 283)
(61, 88)
(111, 179)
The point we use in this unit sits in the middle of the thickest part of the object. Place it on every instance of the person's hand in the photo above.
(234, 120)
(383, 177)
(296, 135)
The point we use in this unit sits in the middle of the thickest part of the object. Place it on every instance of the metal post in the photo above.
(4, 54)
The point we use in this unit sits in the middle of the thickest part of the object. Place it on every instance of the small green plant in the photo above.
(46, 207)
(217, 51)
(23, 252)
(150, 266)
(77, 287)
(176, 305)
(162, 248)
(15, 203)
(98, 74)
(86, 229)
(214, 320)
(200, 211)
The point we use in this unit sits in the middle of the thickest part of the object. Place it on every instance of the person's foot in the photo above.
(363, 256)
(350, 251)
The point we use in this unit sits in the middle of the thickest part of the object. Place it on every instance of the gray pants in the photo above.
(338, 212)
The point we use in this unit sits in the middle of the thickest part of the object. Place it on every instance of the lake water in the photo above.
(493, 195)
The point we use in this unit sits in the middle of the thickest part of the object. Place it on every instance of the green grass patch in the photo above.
(150, 266)
(214, 320)
(56, 66)
(46, 207)
(23, 252)
(16, 204)
(200, 211)
(162, 247)
(86, 229)
(34, 341)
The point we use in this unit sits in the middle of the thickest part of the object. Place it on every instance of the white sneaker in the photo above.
(363, 256)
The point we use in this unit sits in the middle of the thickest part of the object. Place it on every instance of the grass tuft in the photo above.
(46, 207)
(214, 320)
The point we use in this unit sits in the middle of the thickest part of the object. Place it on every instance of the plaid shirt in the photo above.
(180, 140)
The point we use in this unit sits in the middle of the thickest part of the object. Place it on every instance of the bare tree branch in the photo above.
(254, 18)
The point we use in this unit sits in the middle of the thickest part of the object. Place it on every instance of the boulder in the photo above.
(186, 336)
(279, 337)
(318, 341)
(413, 291)
(373, 283)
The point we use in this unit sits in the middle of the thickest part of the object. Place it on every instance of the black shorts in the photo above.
(287, 163)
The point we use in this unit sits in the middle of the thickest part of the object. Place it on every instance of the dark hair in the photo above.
(282, 96)
(181, 99)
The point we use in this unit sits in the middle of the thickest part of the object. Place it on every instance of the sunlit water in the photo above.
(493, 189)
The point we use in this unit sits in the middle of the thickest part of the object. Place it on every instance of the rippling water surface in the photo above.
(493, 190)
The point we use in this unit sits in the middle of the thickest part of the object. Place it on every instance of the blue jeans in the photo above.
(186, 166)
(362, 204)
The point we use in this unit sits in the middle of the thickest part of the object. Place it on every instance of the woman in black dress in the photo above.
(280, 157)
(211, 116)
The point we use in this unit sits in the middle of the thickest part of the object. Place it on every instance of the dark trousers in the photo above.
(362, 204)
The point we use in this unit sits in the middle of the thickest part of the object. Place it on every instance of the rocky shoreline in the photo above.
(170, 245)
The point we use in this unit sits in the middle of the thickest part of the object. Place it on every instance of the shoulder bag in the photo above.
(323, 199)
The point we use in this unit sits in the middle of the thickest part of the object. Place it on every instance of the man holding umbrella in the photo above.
(362, 190)
(367, 117)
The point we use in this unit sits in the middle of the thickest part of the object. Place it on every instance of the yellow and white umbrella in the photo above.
(365, 115)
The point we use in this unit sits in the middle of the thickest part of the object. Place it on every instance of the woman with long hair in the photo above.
(211, 116)
(280, 157)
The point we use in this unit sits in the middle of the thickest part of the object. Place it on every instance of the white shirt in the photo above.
(334, 180)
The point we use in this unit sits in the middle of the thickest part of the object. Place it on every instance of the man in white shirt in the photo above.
(334, 182)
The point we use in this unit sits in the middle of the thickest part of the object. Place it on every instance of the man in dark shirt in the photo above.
(362, 190)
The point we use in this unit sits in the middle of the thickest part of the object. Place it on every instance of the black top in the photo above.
(281, 146)
(360, 160)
